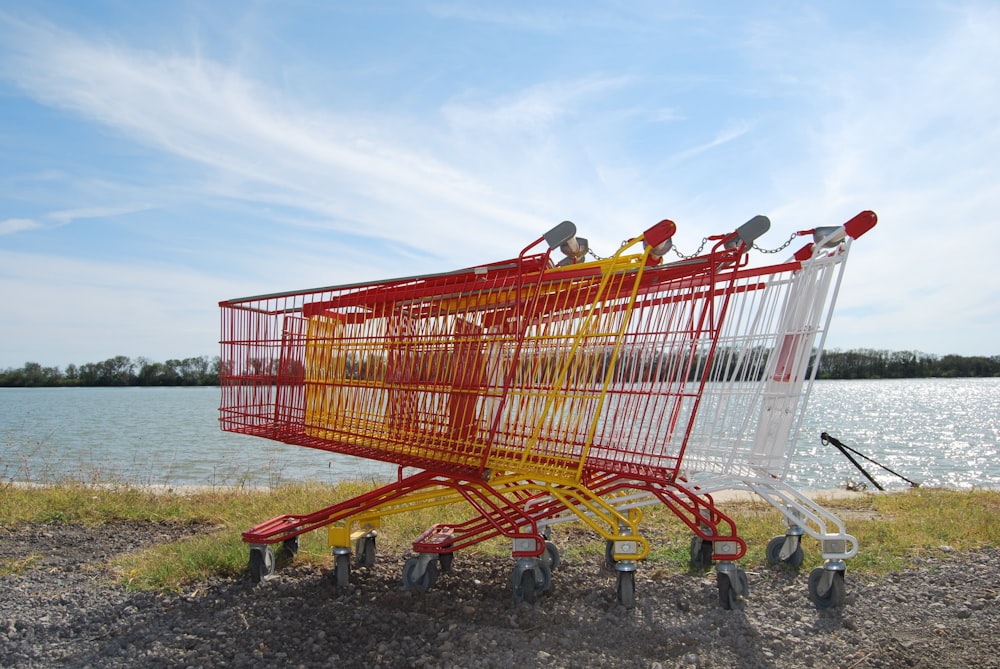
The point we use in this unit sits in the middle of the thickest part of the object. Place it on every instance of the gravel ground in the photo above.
(64, 611)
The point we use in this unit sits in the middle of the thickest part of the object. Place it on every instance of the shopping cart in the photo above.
(759, 387)
(526, 389)
(751, 410)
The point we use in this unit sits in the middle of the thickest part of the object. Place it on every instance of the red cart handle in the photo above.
(860, 224)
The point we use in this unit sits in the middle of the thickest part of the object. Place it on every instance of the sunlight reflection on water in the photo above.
(940, 432)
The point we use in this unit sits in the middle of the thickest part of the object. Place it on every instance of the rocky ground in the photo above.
(63, 610)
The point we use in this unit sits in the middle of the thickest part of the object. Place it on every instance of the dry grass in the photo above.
(892, 528)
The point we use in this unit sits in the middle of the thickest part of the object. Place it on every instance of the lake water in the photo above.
(939, 432)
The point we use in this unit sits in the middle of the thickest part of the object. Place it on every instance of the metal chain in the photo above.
(701, 248)
(780, 248)
(755, 247)
(593, 255)
(680, 255)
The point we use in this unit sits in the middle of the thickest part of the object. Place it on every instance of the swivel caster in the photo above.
(342, 567)
(550, 556)
(700, 553)
(625, 588)
(364, 551)
(733, 587)
(530, 579)
(420, 572)
(261, 562)
(826, 587)
(785, 550)
(291, 546)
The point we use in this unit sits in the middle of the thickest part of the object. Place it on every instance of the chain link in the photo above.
(780, 248)
(625, 242)
(701, 248)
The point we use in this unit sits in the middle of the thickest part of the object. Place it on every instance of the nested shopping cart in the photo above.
(751, 408)
(758, 390)
(530, 390)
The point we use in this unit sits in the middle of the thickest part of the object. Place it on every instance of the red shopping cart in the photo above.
(529, 390)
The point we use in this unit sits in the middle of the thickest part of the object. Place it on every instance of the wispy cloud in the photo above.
(726, 135)
(258, 144)
(533, 109)
(505, 163)
(112, 308)
(14, 225)
(913, 130)
(66, 216)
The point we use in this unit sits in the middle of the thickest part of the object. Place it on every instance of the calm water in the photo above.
(942, 432)
(156, 436)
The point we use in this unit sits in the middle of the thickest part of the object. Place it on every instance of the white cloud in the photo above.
(259, 144)
(909, 129)
(533, 109)
(727, 134)
(14, 225)
(66, 216)
(87, 310)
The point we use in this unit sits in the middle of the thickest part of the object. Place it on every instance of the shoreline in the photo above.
(723, 495)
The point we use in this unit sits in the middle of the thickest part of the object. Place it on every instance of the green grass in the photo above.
(892, 528)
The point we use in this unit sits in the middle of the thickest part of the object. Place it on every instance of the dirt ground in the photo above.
(61, 608)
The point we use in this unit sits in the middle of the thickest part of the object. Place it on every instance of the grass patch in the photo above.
(892, 529)
(169, 567)
(88, 505)
(19, 565)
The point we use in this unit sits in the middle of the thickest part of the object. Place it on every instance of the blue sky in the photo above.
(156, 158)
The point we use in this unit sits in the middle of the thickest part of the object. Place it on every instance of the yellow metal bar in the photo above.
(555, 397)
(588, 507)
(596, 512)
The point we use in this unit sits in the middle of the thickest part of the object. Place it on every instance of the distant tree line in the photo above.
(868, 363)
(204, 371)
(117, 371)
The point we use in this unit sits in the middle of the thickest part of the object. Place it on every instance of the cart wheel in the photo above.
(342, 569)
(546, 573)
(551, 556)
(424, 581)
(733, 589)
(626, 589)
(364, 551)
(701, 553)
(445, 560)
(261, 563)
(774, 547)
(524, 588)
(609, 554)
(291, 546)
(827, 591)
(531, 580)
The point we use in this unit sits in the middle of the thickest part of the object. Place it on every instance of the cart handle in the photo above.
(659, 239)
(829, 237)
(750, 231)
(559, 235)
(861, 224)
